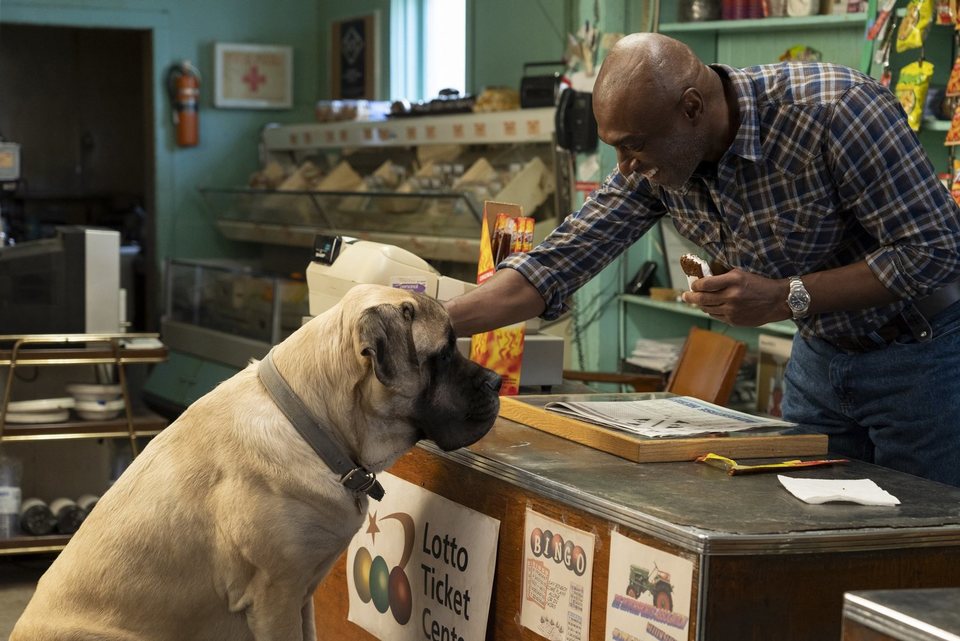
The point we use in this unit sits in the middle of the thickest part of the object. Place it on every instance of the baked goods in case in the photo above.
(694, 267)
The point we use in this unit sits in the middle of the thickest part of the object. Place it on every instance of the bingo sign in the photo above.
(557, 577)
(421, 567)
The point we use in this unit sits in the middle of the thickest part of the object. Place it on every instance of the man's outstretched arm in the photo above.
(506, 298)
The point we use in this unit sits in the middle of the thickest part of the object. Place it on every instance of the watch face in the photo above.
(798, 300)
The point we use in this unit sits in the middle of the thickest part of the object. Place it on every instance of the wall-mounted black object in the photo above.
(641, 282)
(540, 91)
(575, 125)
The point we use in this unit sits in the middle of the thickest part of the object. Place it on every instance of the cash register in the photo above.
(340, 263)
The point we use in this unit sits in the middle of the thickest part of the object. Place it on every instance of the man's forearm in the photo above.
(504, 299)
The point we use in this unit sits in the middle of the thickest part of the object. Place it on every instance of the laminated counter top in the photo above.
(902, 615)
(766, 565)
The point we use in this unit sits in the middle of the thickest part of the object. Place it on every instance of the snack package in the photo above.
(801, 53)
(953, 84)
(915, 24)
(953, 134)
(944, 12)
(955, 187)
(911, 90)
(694, 267)
(504, 230)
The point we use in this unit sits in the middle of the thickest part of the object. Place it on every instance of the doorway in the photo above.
(79, 102)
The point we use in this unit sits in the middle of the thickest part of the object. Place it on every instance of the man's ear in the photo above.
(386, 338)
(691, 101)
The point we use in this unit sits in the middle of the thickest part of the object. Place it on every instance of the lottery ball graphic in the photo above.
(556, 547)
(578, 561)
(547, 551)
(568, 554)
(536, 541)
(380, 584)
(401, 599)
(361, 573)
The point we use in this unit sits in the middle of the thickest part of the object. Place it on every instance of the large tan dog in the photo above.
(225, 524)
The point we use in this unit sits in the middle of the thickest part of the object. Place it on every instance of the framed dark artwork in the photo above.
(354, 58)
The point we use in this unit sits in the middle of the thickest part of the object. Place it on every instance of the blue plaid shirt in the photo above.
(824, 172)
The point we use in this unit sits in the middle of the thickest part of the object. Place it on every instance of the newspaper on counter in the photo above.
(664, 417)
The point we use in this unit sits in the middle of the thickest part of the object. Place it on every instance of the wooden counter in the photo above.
(766, 565)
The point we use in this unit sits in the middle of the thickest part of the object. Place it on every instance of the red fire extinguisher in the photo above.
(183, 86)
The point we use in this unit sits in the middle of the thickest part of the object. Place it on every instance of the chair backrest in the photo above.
(707, 367)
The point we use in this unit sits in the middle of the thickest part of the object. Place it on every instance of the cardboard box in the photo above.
(773, 354)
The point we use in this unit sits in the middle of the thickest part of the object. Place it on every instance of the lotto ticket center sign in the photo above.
(422, 567)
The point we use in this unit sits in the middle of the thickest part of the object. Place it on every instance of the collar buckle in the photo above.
(363, 481)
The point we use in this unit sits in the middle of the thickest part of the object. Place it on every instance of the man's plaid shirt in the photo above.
(824, 172)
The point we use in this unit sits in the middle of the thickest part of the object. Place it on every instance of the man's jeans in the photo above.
(897, 406)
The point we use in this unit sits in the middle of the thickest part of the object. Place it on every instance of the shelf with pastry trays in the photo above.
(440, 225)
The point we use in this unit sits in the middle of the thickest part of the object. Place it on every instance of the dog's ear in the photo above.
(386, 338)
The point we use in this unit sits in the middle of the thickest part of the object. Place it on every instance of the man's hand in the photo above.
(750, 300)
(740, 298)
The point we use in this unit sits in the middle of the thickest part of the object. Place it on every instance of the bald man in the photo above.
(806, 181)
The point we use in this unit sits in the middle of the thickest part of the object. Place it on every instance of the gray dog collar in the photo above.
(354, 477)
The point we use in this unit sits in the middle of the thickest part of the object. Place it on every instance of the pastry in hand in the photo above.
(694, 267)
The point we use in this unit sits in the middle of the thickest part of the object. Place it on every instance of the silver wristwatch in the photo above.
(798, 299)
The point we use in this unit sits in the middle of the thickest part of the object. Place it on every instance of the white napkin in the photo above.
(814, 491)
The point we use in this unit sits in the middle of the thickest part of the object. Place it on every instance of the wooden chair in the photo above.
(706, 369)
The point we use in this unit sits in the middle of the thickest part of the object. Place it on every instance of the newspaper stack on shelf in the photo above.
(659, 355)
(675, 416)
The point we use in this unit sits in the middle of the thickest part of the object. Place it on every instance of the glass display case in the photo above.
(229, 312)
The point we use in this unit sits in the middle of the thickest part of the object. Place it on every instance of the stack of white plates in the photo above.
(41, 410)
(96, 402)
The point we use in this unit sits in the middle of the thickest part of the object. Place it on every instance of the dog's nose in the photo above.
(492, 380)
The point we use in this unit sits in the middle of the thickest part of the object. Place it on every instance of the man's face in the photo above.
(655, 140)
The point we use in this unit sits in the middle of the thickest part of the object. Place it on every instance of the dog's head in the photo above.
(414, 370)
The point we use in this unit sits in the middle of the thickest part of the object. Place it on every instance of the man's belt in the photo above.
(939, 300)
(914, 319)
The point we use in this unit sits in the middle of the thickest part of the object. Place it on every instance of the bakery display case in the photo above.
(418, 183)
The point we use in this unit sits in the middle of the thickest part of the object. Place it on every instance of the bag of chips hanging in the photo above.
(955, 187)
(911, 90)
(953, 134)
(915, 24)
(953, 84)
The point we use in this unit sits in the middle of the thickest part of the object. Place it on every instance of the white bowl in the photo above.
(97, 410)
(41, 405)
(55, 416)
(94, 392)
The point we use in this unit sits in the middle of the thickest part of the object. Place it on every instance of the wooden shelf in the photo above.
(806, 23)
(82, 349)
(144, 424)
(33, 544)
(517, 126)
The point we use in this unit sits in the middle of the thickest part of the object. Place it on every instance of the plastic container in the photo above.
(11, 471)
(69, 515)
(36, 519)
